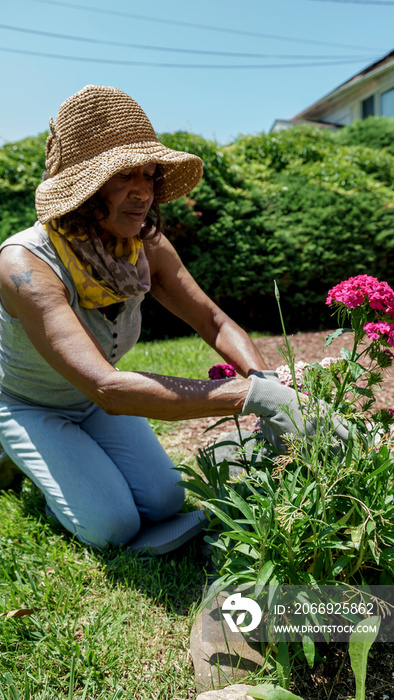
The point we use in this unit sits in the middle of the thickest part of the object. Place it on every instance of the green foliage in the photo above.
(17, 212)
(21, 167)
(304, 206)
(269, 691)
(320, 513)
(359, 646)
(374, 132)
(22, 164)
(295, 206)
(180, 357)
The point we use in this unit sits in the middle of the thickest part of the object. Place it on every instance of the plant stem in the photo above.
(289, 353)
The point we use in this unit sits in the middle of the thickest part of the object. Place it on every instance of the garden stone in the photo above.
(228, 452)
(219, 660)
(232, 692)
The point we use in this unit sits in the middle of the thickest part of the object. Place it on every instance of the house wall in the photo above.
(345, 105)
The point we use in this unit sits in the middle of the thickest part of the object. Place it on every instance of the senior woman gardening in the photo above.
(71, 290)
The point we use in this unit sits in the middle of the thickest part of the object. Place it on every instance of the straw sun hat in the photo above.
(98, 132)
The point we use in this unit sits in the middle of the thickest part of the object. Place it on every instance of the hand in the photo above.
(267, 374)
(266, 398)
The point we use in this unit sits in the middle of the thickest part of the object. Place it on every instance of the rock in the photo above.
(229, 452)
(218, 659)
(232, 692)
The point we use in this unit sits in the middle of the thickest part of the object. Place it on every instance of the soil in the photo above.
(331, 677)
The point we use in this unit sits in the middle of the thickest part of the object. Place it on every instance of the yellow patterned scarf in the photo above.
(102, 275)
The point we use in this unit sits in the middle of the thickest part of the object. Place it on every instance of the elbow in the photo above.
(105, 400)
(105, 392)
(106, 396)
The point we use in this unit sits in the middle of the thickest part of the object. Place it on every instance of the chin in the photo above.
(124, 232)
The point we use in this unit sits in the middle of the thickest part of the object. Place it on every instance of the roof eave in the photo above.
(348, 86)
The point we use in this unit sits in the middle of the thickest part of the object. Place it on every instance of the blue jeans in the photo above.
(99, 473)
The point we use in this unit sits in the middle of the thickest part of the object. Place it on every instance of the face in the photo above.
(128, 196)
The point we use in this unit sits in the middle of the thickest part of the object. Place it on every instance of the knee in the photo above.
(164, 503)
(110, 526)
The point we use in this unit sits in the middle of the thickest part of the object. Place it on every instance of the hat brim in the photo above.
(72, 186)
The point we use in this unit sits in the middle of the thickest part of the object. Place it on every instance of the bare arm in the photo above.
(176, 289)
(33, 293)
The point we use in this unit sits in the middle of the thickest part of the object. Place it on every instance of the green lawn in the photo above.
(181, 357)
(112, 625)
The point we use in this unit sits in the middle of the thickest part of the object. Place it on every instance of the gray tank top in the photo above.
(24, 374)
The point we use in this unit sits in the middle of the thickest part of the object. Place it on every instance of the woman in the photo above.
(71, 289)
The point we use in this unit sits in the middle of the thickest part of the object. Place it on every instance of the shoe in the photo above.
(167, 535)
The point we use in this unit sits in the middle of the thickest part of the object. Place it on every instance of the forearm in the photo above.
(234, 345)
(170, 398)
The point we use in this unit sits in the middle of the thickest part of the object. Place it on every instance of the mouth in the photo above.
(135, 214)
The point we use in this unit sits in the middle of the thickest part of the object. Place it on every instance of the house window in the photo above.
(387, 103)
(368, 107)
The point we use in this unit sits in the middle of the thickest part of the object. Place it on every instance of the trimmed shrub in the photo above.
(374, 132)
(305, 207)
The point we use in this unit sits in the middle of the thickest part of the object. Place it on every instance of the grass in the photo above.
(101, 625)
(182, 357)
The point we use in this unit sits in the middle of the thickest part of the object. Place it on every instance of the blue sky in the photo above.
(218, 103)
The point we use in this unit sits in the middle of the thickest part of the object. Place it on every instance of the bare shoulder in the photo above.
(23, 274)
(159, 251)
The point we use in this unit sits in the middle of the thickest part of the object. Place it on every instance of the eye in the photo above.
(124, 175)
(151, 171)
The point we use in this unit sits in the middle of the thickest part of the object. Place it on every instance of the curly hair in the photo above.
(89, 214)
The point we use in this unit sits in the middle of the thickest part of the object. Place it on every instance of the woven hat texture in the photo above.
(98, 132)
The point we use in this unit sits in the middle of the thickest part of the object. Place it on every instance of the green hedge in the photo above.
(21, 167)
(305, 206)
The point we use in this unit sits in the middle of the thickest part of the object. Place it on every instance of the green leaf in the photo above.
(233, 524)
(363, 391)
(339, 565)
(283, 663)
(388, 463)
(243, 506)
(356, 370)
(264, 575)
(359, 646)
(308, 646)
(336, 334)
(345, 353)
(388, 554)
(356, 533)
(219, 422)
(269, 691)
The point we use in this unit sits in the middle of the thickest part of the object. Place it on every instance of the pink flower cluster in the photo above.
(221, 372)
(380, 329)
(356, 290)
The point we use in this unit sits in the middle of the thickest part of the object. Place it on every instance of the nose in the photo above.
(139, 186)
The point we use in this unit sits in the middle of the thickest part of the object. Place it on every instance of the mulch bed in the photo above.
(332, 678)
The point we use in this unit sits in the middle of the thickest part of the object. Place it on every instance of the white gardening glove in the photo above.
(266, 398)
(267, 374)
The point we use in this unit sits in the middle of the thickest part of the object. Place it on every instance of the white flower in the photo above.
(284, 374)
(327, 361)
